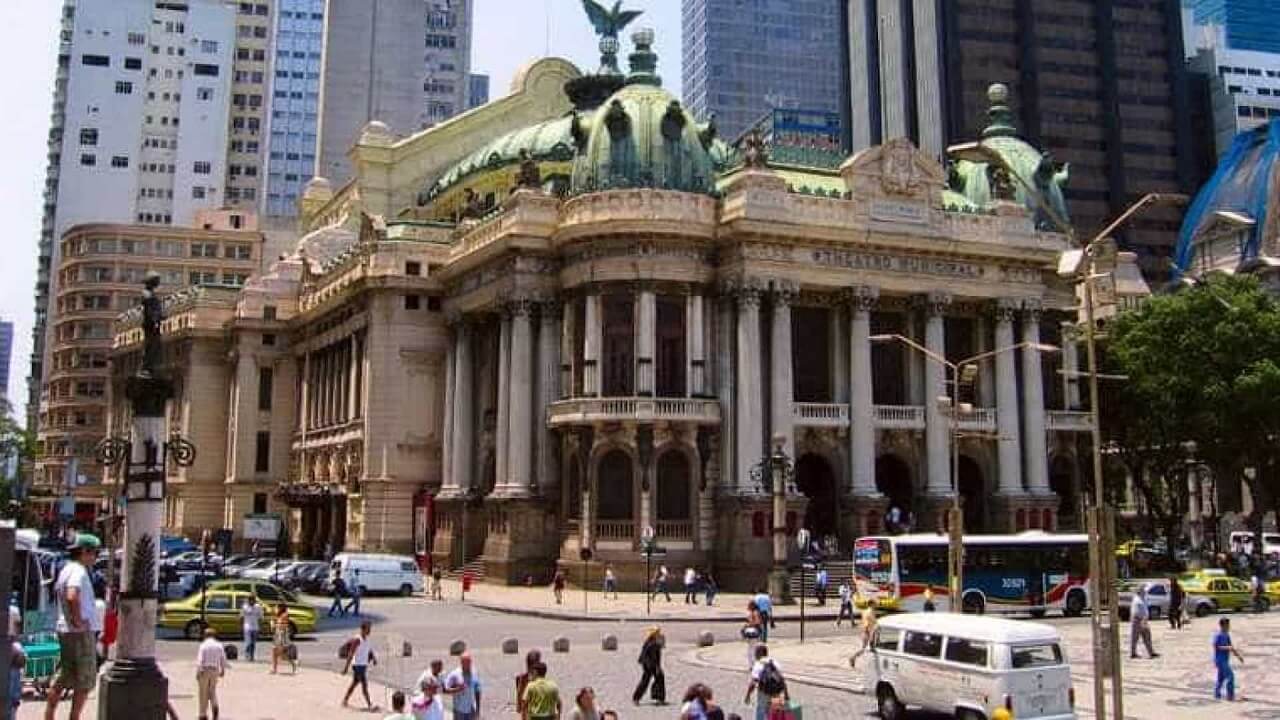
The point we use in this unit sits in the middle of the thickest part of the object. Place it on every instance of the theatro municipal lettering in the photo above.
(900, 264)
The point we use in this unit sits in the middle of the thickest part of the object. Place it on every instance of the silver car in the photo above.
(1157, 598)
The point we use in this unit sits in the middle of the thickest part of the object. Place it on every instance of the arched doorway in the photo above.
(1062, 482)
(674, 503)
(816, 480)
(615, 496)
(972, 495)
(893, 480)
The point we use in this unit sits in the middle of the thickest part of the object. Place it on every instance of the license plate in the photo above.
(1039, 702)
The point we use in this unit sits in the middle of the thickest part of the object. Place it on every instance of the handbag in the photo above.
(750, 632)
(291, 651)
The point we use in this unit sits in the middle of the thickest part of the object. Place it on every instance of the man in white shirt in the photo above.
(358, 662)
(464, 685)
(211, 665)
(766, 683)
(690, 586)
(78, 624)
(1140, 624)
(251, 621)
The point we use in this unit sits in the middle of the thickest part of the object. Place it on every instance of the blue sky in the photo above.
(508, 34)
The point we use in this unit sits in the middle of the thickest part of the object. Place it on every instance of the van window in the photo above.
(408, 566)
(968, 652)
(887, 638)
(922, 644)
(1031, 656)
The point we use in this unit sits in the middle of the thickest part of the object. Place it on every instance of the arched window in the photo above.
(673, 487)
(615, 491)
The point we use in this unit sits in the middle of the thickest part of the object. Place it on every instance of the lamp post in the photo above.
(802, 541)
(646, 546)
(133, 688)
(963, 373)
(774, 475)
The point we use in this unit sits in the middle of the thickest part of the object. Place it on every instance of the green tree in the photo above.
(18, 443)
(1203, 367)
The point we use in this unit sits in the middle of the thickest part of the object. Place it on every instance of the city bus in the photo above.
(1030, 572)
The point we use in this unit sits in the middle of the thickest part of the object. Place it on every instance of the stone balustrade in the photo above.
(581, 411)
(820, 414)
(1069, 421)
(899, 417)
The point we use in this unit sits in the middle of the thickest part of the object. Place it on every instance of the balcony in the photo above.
(834, 415)
(899, 417)
(624, 530)
(1069, 421)
(585, 411)
(976, 420)
(674, 530)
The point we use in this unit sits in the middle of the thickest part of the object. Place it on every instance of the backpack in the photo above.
(771, 682)
(347, 648)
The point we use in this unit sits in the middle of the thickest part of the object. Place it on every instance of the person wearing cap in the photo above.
(77, 627)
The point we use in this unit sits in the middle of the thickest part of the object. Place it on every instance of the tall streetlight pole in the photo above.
(963, 372)
(772, 476)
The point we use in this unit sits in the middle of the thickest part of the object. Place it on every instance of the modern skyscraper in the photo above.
(248, 90)
(1240, 81)
(6, 356)
(478, 94)
(741, 60)
(371, 48)
(294, 118)
(1247, 24)
(1098, 83)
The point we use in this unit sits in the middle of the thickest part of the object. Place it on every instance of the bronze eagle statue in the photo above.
(608, 23)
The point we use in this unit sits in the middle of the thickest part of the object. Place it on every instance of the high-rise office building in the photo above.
(1238, 67)
(294, 117)
(478, 94)
(139, 126)
(6, 356)
(1246, 24)
(1098, 83)
(371, 50)
(248, 105)
(742, 60)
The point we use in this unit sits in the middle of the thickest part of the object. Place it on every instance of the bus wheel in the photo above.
(973, 604)
(887, 703)
(1075, 604)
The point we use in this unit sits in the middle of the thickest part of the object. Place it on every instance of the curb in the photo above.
(579, 617)
(695, 658)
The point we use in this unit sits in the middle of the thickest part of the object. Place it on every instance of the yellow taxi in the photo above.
(222, 603)
(1225, 593)
(1272, 590)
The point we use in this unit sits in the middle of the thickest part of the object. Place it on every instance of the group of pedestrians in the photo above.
(341, 590)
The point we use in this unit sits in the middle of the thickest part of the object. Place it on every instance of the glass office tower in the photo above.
(1249, 24)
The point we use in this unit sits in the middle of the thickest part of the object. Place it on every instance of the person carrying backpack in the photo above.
(766, 683)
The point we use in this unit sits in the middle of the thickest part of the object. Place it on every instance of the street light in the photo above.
(775, 475)
(963, 373)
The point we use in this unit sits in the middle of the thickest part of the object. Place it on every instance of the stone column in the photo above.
(549, 378)
(463, 461)
(353, 375)
(937, 428)
(645, 338)
(750, 396)
(723, 353)
(502, 436)
(1009, 442)
(304, 403)
(568, 326)
(913, 360)
(986, 370)
(1070, 366)
(838, 354)
(592, 345)
(782, 384)
(520, 469)
(695, 373)
(1037, 452)
(446, 443)
(862, 432)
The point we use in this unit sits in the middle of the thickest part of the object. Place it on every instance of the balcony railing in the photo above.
(636, 409)
(615, 530)
(820, 414)
(675, 529)
(899, 417)
(1069, 421)
(976, 420)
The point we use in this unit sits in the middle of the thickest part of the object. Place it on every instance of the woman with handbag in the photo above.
(651, 665)
(282, 648)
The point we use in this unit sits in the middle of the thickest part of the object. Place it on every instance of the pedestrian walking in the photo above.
(557, 585)
(929, 605)
(437, 589)
(355, 591)
(434, 670)
(428, 704)
(765, 605)
(693, 705)
(1176, 598)
(868, 631)
(820, 585)
(463, 685)
(584, 705)
(531, 658)
(250, 624)
(359, 658)
(690, 586)
(1140, 624)
(211, 666)
(660, 580)
(610, 582)
(541, 696)
(77, 625)
(282, 647)
(711, 710)
(651, 668)
(766, 683)
(846, 603)
(1222, 652)
(17, 663)
(709, 587)
(339, 592)
(398, 708)
(1259, 589)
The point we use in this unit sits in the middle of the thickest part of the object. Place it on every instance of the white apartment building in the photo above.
(1244, 85)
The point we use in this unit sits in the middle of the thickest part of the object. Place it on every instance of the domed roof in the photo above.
(550, 140)
(973, 179)
(642, 136)
(1242, 186)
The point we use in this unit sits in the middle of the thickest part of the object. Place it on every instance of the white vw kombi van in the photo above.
(970, 666)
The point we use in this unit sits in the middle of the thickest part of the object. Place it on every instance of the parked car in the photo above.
(1222, 593)
(171, 545)
(272, 570)
(374, 573)
(968, 666)
(241, 569)
(222, 603)
(1158, 599)
(302, 576)
(193, 560)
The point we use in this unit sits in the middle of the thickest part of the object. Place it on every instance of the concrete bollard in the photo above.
(706, 639)
(457, 647)
(609, 643)
(560, 645)
(510, 646)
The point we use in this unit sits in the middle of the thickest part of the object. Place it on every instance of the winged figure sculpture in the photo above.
(608, 23)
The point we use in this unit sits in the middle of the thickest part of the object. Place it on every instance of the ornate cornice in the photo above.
(861, 298)
(1005, 309)
(935, 303)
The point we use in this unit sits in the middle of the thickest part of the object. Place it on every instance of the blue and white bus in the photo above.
(1030, 572)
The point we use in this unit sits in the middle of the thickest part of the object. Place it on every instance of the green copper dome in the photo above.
(641, 136)
(549, 140)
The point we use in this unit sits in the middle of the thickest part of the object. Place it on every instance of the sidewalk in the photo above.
(539, 601)
(1175, 686)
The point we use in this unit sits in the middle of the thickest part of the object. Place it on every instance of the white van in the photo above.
(1244, 540)
(374, 573)
(969, 666)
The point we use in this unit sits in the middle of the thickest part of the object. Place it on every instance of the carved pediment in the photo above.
(896, 169)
